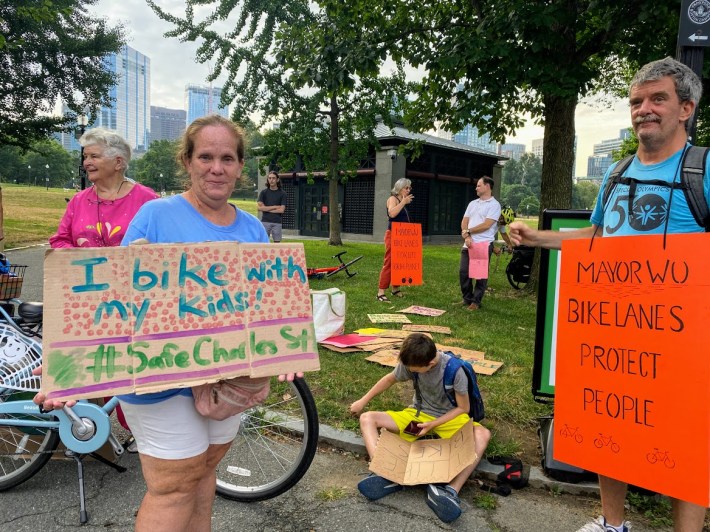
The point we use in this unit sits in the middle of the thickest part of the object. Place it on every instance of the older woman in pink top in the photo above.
(99, 215)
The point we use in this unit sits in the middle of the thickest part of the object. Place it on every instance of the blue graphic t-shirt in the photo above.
(647, 210)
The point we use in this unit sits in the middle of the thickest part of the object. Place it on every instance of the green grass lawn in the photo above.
(504, 329)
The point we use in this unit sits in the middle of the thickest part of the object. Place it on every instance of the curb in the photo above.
(349, 441)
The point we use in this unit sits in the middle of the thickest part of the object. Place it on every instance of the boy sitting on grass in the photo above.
(438, 416)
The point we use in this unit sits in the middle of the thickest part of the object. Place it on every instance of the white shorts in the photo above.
(173, 429)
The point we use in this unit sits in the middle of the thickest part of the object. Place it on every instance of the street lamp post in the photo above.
(46, 175)
(81, 121)
(162, 186)
(29, 174)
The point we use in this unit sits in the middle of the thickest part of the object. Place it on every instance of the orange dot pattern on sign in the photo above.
(284, 294)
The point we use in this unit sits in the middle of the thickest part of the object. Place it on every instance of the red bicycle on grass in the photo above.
(322, 273)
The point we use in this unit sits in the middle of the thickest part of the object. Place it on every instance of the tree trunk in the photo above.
(333, 210)
(557, 164)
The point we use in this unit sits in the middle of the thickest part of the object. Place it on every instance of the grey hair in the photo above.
(688, 86)
(400, 184)
(114, 145)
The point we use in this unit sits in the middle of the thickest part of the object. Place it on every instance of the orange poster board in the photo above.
(633, 365)
(407, 254)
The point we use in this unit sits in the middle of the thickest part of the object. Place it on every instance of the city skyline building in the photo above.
(129, 112)
(470, 136)
(602, 158)
(538, 151)
(166, 123)
(512, 150)
(202, 101)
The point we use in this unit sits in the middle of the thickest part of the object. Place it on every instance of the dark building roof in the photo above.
(399, 133)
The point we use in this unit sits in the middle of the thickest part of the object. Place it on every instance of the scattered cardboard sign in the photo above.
(160, 316)
(369, 331)
(388, 318)
(389, 358)
(486, 367)
(382, 344)
(347, 340)
(423, 311)
(466, 354)
(427, 328)
(425, 461)
(396, 333)
(385, 357)
(342, 349)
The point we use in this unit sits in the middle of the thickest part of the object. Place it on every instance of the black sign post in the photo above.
(693, 36)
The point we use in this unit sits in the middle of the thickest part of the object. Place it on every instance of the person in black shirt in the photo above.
(272, 204)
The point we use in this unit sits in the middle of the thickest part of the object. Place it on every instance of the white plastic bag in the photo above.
(328, 312)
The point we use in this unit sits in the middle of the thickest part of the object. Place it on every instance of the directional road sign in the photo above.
(694, 24)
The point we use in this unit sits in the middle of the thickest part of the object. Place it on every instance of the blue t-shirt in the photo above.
(175, 220)
(650, 203)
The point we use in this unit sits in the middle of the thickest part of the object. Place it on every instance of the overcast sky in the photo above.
(173, 66)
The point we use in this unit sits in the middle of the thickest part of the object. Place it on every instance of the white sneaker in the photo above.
(599, 525)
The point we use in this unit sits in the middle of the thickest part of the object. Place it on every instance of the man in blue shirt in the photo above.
(663, 96)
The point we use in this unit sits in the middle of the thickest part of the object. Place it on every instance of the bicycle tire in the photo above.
(274, 447)
(23, 451)
(515, 284)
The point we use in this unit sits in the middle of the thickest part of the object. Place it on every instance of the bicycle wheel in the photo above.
(274, 447)
(23, 450)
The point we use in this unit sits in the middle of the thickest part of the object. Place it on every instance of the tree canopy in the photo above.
(490, 62)
(45, 159)
(51, 50)
(309, 66)
(157, 168)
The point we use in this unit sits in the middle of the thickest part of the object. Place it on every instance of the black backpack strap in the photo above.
(692, 177)
(614, 177)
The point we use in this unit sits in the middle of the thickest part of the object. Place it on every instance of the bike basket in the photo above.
(19, 355)
(11, 282)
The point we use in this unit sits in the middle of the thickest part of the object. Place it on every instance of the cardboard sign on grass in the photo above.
(390, 357)
(427, 328)
(154, 317)
(407, 254)
(424, 311)
(633, 371)
(424, 461)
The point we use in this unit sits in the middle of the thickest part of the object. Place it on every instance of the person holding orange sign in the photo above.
(643, 200)
(396, 212)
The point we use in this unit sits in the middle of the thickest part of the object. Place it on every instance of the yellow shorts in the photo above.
(446, 430)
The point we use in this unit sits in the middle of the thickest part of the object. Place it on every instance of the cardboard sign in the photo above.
(154, 317)
(478, 260)
(424, 461)
(388, 318)
(407, 254)
(633, 371)
(441, 329)
(423, 311)
(390, 357)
